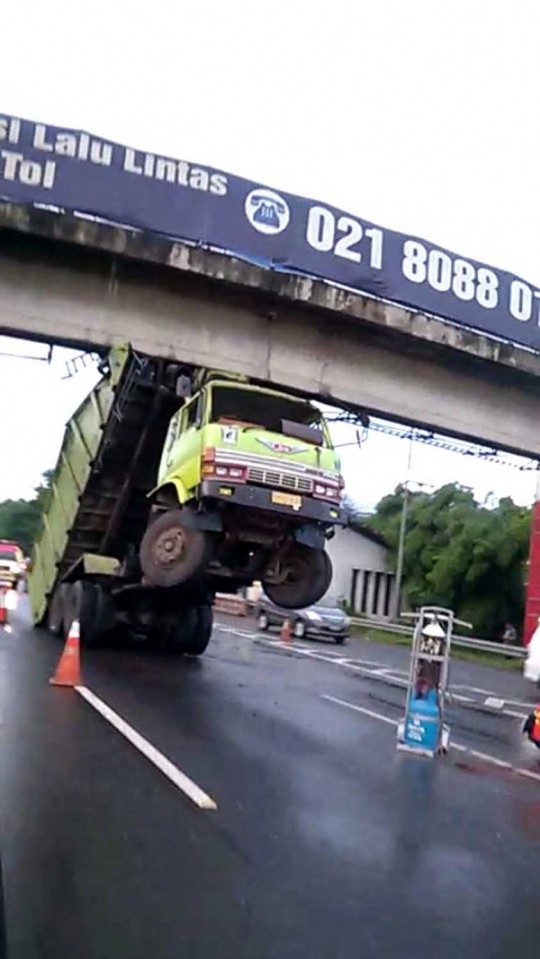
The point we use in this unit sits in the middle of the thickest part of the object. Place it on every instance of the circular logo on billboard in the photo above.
(267, 211)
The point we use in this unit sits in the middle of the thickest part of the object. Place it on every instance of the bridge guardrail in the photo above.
(467, 642)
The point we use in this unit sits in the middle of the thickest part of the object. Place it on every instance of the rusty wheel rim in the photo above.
(168, 548)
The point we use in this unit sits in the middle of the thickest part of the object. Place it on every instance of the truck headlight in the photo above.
(326, 491)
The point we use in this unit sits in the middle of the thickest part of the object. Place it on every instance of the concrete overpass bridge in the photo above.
(80, 282)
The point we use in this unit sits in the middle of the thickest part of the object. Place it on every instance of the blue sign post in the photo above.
(423, 730)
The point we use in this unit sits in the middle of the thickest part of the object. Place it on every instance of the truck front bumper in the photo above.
(258, 497)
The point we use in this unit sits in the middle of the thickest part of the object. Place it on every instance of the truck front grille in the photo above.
(269, 477)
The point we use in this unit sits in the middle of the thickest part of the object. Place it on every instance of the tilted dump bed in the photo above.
(107, 463)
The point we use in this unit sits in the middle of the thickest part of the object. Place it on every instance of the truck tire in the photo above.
(171, 554)
(104, 619)
(308, 579)
(202, 633)
(80, 600)
(55, 613)
(191, 634)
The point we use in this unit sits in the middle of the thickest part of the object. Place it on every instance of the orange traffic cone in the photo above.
(68, 671)
(286, 631)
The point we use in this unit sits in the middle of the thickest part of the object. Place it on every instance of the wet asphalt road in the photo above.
(326, 841)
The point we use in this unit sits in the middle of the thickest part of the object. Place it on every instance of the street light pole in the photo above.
(401, 550)
(401, 545)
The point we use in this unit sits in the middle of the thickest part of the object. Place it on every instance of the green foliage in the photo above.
(20, 519)
(460, 554)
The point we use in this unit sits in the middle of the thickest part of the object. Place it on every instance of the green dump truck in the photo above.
(173, 484)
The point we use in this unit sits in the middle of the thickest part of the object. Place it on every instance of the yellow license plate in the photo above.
(287, 499)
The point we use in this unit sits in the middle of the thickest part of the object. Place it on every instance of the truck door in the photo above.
(183, 454)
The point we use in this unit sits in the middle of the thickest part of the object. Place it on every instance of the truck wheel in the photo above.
(309, 574)
(55, 615)
(201, 634)
(170, 553)
(104, 618)
(80, 603)
(191, 634)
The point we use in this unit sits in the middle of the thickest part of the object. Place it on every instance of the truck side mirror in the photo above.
(183, 387)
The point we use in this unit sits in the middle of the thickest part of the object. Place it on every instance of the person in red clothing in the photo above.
(532, 726)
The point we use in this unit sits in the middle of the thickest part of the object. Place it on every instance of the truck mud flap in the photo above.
(310, 536)
(208, 522)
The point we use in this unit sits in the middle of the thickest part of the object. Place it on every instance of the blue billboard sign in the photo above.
(77, 171)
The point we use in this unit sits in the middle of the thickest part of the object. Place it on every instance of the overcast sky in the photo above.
(418, 115)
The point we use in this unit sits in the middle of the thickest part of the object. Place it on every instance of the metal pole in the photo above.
(401, 550)
(401, 546)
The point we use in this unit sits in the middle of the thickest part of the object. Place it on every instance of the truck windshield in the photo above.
(262, 410)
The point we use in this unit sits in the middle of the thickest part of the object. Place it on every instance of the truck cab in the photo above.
(251, 474)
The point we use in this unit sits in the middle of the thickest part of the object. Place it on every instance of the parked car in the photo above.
(324, 619)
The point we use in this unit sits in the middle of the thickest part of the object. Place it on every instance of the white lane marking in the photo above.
(327, 656)
(313, 655)
(384, 673)
(349, 664)
(361, 709)
(489, 758)
(514, 714)
(183, 782)
(372, 663)
(362, 667)
(388, 678)
(238, 632)
(488, 693)
(494, 702)
(528, 773)
(492, 705)
(453, 745)
(521, 702)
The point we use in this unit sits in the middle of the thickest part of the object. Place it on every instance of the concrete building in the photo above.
(362, 571)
